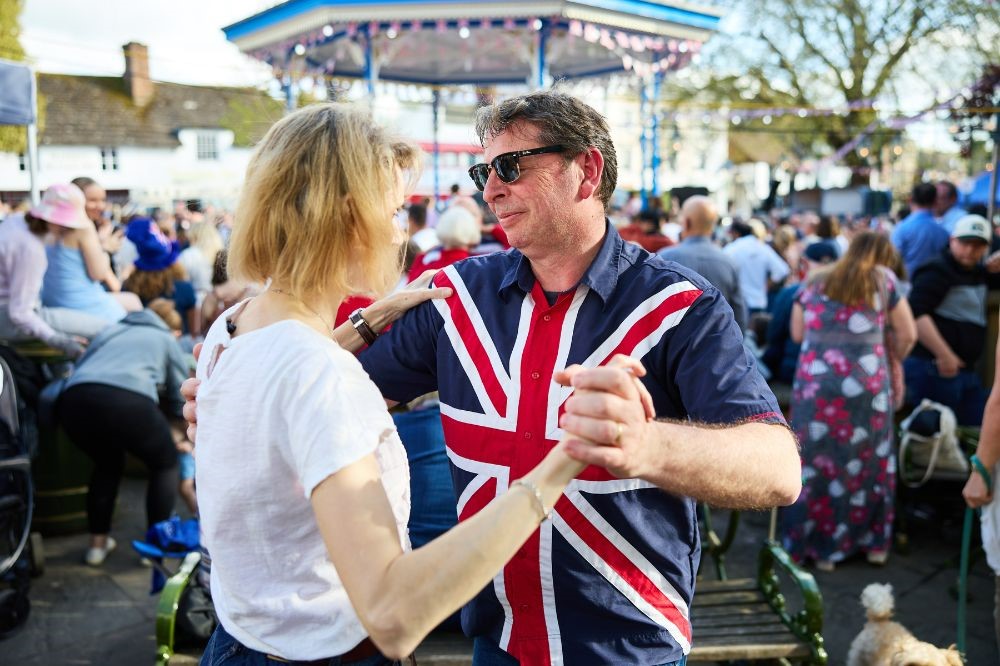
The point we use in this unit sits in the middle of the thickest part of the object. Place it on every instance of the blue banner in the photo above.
(17, 103)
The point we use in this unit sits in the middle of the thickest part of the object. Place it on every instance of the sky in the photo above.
(185, 38)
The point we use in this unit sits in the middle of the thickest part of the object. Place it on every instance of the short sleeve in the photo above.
(334, 416)
(403, 361)
(891, 288)
(715, 375)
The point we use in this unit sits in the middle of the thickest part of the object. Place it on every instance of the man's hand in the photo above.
(949, 364)
(975, 491)
(608, 415)
(993, 262)
(189, 391)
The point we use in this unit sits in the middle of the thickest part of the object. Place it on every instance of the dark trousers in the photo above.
(964, 392)
(106, 422)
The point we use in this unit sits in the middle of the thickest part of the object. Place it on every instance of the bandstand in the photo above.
(482, 46)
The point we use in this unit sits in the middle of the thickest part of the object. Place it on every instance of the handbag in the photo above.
(930, 441)
(897, 380)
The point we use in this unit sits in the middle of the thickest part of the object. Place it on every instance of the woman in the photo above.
(22, 269)
(157, 273)
(842, 405)
(302, 481)
(198, 258)
(78, 264)
(458, 231)
(110, 237)
(121, 398)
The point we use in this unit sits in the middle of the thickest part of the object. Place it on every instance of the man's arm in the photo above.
(948, 362)
(747, 465)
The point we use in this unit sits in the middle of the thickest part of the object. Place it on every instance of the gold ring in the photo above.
(618, 436)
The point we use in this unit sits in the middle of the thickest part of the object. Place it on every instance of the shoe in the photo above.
(826, 566)
(878, 557)
(95, 556)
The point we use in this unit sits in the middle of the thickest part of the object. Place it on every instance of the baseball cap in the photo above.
(973, 227)
(822, 252)
(62, 204)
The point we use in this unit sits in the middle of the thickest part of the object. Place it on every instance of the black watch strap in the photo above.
(362, 327)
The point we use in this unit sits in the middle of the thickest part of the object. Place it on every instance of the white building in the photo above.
(148, 141)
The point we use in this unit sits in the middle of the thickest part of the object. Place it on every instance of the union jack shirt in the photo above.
(609, 578)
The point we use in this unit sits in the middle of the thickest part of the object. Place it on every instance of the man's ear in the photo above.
(593, 169)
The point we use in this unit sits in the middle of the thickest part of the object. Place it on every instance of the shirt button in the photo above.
(547, 318)
(535, 375)
(527, 435)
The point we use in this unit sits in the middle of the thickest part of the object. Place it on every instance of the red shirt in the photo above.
(436, 258)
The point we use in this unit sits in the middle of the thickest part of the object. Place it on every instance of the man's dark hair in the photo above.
(561, 120)
(924, 194)
(417, 214)
(950, 188)
(741, 229)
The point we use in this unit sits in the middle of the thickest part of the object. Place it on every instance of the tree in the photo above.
(12, 139)
(834, 54)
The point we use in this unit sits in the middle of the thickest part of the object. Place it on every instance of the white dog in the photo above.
(883, 642)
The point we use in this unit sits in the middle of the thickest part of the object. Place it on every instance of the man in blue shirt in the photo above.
(946, 208)
(918, 237)
(759, 265)
(700, 254)
(609, 578)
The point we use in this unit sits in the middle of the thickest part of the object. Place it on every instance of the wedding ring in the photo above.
(618, 437)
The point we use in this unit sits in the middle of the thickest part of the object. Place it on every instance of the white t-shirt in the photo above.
(281, 410)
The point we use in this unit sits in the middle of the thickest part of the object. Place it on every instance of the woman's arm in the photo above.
(399, 596)
(904, 328)
(976, 493)
(797, 324)
(95, 258)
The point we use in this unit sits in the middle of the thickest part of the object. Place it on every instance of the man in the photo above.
(918, 237)
(609, 578)
(422, 236)
(759, 265)
(697, 251)
(947, 212)
(949, 305)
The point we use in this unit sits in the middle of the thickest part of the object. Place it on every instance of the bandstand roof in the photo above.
(475, 41)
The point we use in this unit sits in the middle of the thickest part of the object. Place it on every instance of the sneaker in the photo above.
(878, 557)
(95, 556)
(826, 566)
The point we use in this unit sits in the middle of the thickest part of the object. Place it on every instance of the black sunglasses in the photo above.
(506, 165)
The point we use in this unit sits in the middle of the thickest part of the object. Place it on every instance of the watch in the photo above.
(362, 327)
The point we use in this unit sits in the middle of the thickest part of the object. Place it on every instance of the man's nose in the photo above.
(495, 188)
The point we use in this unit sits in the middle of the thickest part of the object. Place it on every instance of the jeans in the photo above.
(964, 393)
(223, 649)
(486, 653)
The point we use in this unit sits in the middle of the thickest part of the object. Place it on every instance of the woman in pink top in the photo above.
(22, 267)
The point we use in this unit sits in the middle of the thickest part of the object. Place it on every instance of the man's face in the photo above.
(943, 201)
(968, 253)
(534, 210)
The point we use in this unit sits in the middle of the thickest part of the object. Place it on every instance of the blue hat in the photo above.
(156, 251)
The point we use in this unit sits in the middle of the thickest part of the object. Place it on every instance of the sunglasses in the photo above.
(506, 166)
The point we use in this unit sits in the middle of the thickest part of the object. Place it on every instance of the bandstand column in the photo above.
(654, 137)
(540, 63)
(371, 65)
(436, 158)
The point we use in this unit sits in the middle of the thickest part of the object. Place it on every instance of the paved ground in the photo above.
(82, 615)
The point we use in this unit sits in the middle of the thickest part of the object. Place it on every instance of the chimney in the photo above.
(137, 81)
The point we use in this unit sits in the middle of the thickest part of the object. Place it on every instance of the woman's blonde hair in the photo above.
(316, 213)
(856, 277)
(206, 238)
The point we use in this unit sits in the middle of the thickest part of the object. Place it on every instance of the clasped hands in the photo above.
(608, 416)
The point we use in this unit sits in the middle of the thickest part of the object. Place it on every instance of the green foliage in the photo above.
(830, 53)
(12, 139)
(249, 116)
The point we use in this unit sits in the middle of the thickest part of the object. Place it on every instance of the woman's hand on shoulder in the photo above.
(386, 310)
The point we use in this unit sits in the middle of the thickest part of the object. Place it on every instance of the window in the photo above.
(109, 159)
(208, 146)
(22, 161)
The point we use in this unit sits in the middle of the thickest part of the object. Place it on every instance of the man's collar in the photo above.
(697, 239)
(601, 276)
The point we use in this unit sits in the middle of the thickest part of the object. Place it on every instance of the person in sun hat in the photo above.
(157, 272)
(23, 263)
(949, 304)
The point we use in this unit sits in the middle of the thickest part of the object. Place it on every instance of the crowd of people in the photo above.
(393, 420)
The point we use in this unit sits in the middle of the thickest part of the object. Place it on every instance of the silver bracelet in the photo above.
(536, 495)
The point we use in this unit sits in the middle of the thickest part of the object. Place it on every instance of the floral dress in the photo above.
(842, 415)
